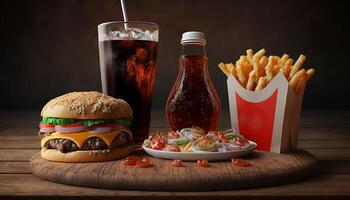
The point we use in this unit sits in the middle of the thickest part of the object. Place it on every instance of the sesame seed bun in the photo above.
(87, 105)
(85, 156)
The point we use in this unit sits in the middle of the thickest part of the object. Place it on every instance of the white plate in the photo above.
(193, 156)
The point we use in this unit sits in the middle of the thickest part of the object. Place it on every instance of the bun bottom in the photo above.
(85, 156)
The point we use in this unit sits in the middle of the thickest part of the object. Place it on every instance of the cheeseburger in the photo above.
(85, 127)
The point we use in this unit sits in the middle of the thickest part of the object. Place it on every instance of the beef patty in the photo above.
(93, 143)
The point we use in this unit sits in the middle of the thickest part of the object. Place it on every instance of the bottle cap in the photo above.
(193, 37)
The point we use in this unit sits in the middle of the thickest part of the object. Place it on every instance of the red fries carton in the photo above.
(270, 117)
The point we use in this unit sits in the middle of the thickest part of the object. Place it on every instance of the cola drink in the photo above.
(128, 59)
(128, 68)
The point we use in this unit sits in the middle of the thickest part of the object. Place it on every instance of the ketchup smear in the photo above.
(241, 163)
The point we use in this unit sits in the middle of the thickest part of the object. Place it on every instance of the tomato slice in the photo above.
(240, 141)
(203, 163)
(176, 163)
(241, 163)
(130, 160)
(220, 136)
(46, 125)
(204, 137)
(144, 163)
(158, 144)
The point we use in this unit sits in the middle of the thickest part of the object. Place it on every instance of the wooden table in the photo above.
(326, 134)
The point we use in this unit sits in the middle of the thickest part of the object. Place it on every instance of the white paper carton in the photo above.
(270, 117)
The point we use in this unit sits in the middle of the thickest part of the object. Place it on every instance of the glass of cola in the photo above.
(128, 59)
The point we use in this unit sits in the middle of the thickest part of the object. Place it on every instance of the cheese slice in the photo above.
(81, 137)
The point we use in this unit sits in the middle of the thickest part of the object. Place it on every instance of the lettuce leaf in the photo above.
(57, 121)
(91, 122)
(86, 122)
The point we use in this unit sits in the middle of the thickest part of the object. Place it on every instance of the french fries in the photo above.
(250, 55)
(268, 69)
(295, 79)
(242, 77)
(310, 73)
(275, 70)
(287, 67)
(251, 80)
(224, 69)
(261, 84)
(283, 60)
(259, 54)
(297, 66)
(255, 71)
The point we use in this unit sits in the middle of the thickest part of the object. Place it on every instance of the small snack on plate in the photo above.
(204, 144)
(196, 140)
(255, 71)
(172, 147)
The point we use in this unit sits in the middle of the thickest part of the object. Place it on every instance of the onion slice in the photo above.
(47, 129)
(70, 129)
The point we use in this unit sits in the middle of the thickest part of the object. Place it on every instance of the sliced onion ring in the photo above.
(100, 130)
(69, 129)
(47, 129)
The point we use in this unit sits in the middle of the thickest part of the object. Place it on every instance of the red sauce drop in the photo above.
(176, 163)
(241, 163)
(130, 160)
(144, 163)
(203, 163)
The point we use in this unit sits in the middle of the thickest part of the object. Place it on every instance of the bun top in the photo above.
(87, 105)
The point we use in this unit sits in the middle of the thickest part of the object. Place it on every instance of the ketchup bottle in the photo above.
(193, 100)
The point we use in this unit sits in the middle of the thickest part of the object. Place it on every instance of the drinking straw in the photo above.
(125, 16)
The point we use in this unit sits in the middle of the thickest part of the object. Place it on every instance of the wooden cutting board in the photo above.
(268, 169)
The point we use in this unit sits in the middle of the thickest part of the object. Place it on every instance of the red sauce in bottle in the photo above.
(193, 101)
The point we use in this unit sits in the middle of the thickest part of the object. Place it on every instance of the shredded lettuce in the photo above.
(86, 122)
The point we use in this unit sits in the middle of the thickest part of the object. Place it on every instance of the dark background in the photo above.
(49, 48)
